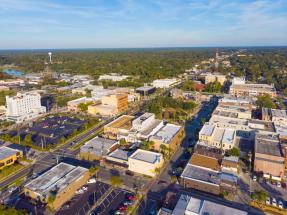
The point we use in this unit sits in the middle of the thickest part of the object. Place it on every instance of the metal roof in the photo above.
(6, 152)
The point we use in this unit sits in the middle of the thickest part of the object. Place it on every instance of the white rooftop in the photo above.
(57, 178)
(167, 133)
(146, 156)
(207, 129)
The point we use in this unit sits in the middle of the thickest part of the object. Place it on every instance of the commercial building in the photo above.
(203, 172)
(24, 107)
(242, 90)
(223, 138)
(113, 77)
(12, 82)
(73, 105)
(188, 205)
(97, 147)
(235, 111)
(145, 162)
(119, 157)
(277, 116)
(165, 83)
(84, 89)
(100, 92)
(268, 156)
(121, 125)
(111, 105)
(212, 77)
(230, 165)
(145, 90)
(57, 185)
(8, 156)
(170, 136)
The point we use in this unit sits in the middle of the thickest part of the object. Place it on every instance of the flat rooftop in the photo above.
(191, 205)
(268, 144)
(120, 154)
(234, 121)
(57, 178)
(146, 156)
(201, 174)
(98, 146)
(167, 133)
(147, 131)
(254, 87)
(142, 118)
(265, 125)
(208, 151)
(207, 129)
(224, 113)
(123, 122)
(145, 88)
(6, 152)
(279, 113)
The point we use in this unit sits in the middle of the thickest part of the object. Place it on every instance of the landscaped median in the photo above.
(10, 171)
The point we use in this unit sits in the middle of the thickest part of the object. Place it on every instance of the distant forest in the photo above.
(265, 64)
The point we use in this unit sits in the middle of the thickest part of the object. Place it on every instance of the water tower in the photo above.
(50, 57)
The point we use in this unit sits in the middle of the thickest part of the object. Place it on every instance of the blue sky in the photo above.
(141, 23)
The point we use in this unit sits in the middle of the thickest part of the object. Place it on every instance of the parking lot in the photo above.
(81, 204)
(50, 130)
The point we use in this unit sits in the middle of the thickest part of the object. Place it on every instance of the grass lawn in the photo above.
(9, 170)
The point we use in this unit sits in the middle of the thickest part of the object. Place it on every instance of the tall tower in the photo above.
(216, 61)
(50, 57)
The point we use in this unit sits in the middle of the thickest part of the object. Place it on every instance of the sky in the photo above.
(49, 24)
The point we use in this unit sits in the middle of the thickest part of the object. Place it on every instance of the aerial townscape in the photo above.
(118, 127)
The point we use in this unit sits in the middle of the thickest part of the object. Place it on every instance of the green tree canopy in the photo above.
(265, 101)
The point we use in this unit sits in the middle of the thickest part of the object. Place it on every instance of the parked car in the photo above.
(280, 204)
(131, 197)
(84, 188)
(12, 189)
(123, 207)
(80, 191)
(128, 203)
(283, 185)
(118, 212)
(274, 202)
(267, 201)
(278, 184)
(254, 178)
(92, 181)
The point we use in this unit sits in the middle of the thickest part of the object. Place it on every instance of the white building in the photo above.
(113, 77)
(24, 106)
(238, 80)
(145, 162)
(164, 83)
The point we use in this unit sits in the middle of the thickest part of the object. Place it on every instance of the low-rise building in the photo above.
(170, 136)
(4, 88)
(24, 106)
(73, 105)
(12, 82)
(212, 77)
(145, 90)
(113, 77)
(223, 138)
(145, 162)
(268, 156)
(165, 83)
(112, 104)
(58, 185)
(242, 90)
(121, 125)
(188, 205)
(97, 148)
(119, 157)
(9, 156)
(230, 165)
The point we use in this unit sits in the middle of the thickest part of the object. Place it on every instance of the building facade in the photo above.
(24, 107)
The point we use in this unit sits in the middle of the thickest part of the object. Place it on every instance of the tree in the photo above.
(259, 195)
(28, 139)
(94, 170)
(123, 142)
(116, 181)
(4, 210)
(265, 101)
(234, 152)
(188, 86)
(157, 171)
(213, 87)
(51, 198)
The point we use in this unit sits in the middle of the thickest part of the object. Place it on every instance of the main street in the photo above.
(160, 186)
